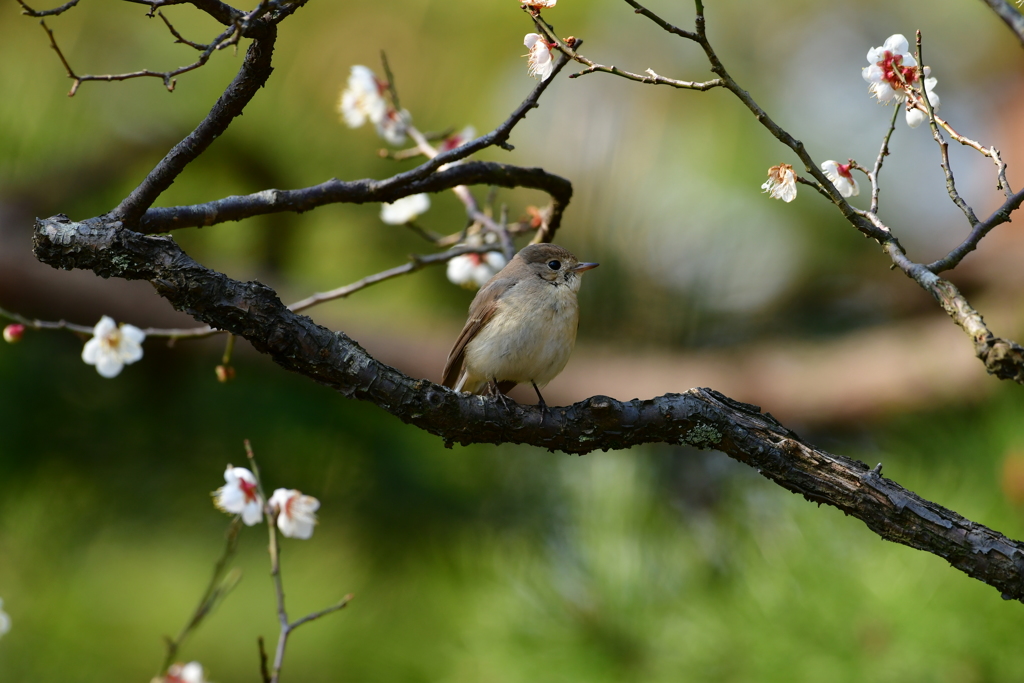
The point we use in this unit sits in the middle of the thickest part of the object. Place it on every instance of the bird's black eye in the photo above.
(554, 265)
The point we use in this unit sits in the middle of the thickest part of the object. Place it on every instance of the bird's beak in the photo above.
(580, 267)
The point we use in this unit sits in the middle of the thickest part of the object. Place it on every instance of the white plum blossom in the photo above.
(240, 495)
(296, 513)
(185, 673)
(363, 98)
(474, 270)
(540, 63)
(538, 4)
(393, 125)
(5, 621)
(112, 347)
(889, 67)
(841, 177)
(404, 210)
(915, 117)
(781, 183)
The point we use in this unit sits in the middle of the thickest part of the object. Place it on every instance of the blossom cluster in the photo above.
(363, 100)
(893, 75)
(294, 512)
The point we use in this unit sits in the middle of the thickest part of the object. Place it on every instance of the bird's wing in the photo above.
(480, 311)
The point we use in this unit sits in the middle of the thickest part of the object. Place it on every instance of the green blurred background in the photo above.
(508, 563)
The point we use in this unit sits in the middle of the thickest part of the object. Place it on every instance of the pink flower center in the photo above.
(892, 68)
(475, 259)
(844, 170)
(248, 490)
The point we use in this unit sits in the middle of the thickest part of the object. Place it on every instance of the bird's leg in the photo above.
(496, 392)
(542, 404)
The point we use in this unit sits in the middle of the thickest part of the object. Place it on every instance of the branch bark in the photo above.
(358, 192)
(1010, 16)
(699, 417)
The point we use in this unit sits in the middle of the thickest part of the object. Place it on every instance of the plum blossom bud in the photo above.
(841, 177)
(462, 137)
(183, 673)
(781, 183)
(13, 333)
(915, 117)
(404, 210)
(296, 513)
(472, 271)
(363, 98)
(889, 67)
(540, 62)
(240, 495)
(5, 621)
(225, 373)
(112, 347)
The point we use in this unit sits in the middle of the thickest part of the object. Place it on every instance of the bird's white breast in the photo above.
(528, 339)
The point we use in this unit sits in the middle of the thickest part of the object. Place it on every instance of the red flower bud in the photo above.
(13, 332)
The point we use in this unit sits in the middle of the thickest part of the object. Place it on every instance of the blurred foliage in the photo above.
(483, 563)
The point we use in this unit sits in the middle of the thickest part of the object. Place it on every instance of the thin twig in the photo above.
(264, 673)
(46, 12)
(414, 264)
(178, 37)
(917, 99)
(341, 604)
(221, 583)
(228, 37)
(882, 153)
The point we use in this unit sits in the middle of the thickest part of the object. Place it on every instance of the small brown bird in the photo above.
(522, 324)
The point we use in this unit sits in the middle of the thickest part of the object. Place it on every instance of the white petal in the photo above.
(252, 513)
(831, 168)
(872, 74)
(130, 352)
(91, 350)
(897, 44)
(193, 673)
(406, 209)
(915, 117)
(496, 260)
(786, 192)
(109, 365)
(461, 271)
(105, 326)
(133, 333)
(530, 39)
(855, 190)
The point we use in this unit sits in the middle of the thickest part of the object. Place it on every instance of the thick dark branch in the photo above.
(250, 78)
(225, 14)
(699, 417)
(255, 71)
(1010, 15)
(358, 192)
